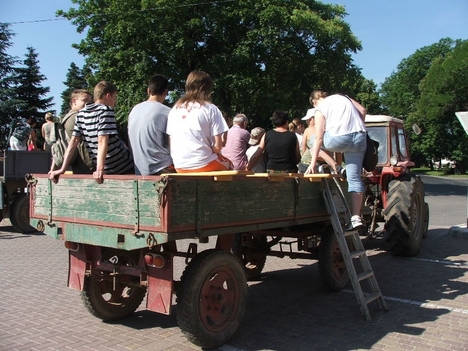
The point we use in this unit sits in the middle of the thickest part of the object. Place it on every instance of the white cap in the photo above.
(310, 113)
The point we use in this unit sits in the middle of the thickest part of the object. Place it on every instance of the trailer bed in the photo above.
(131, 212)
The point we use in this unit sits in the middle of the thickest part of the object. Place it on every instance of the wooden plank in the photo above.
(113, 201)
(207, 174)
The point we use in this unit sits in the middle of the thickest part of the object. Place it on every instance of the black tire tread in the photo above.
(237, 249)
(400, 236)
(107, 312)
(19, 214)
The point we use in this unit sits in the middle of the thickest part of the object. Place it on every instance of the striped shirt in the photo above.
(99, 119)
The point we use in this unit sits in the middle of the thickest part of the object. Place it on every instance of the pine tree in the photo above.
(7, 63)
(27, 90)
(76, 79)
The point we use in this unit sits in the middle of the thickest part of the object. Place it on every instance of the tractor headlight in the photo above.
(393, 160)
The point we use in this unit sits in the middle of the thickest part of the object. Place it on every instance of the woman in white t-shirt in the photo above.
(339, 127)
(195, 127)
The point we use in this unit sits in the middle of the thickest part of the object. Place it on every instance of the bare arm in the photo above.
(33, 138)
(304, 143)
(256, 154)
(224, 138)
(103, 141)
(362, 111)
(72, 145)
(298, 154)
(218, 144)
(319, 131)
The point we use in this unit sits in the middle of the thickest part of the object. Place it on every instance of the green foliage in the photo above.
(7, 63)
(369, 97)
(443, 92)
(263, 55)
(27, 90)
(427, 89)
(400, 92)
(76, 79)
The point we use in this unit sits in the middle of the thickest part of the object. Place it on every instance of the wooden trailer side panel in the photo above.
(116, 202)
(203, 204)
(131, 212)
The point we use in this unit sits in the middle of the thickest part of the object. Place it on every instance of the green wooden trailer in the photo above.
(124, 235)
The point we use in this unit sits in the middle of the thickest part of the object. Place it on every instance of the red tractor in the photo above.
(394, 194)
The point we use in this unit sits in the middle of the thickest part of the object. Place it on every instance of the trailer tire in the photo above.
(405, 216)
(19, 214)
(332, 267)
(253, 256)
(107, 303)
(211, 298)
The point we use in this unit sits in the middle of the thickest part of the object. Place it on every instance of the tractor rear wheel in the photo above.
(405, 216)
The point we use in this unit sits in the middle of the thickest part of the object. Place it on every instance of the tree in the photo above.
(443, 92)
(7, 63)
(263, 55)
(369, 97)
(400, 92)
(27, 90)
(76, 79)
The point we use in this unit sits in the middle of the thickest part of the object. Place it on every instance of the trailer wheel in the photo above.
(252, 251)
(19, 214)
(332, 267)
(109, 301)
(211, 298)
(405, 216)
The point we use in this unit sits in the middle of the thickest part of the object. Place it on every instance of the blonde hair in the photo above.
(295, 123)
(49, 116)
(316, 95)
(198, 88)
(102, 88)
(78, 93)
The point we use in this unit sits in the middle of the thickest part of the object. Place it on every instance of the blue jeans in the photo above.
(353, 146)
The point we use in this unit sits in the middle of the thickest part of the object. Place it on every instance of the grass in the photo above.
(438, 173)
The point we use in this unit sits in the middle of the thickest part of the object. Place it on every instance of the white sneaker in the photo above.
(356, 221)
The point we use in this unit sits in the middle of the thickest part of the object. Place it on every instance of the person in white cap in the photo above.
(255, 136)
(307, 144)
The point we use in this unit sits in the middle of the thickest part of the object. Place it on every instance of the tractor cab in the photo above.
(393, 145)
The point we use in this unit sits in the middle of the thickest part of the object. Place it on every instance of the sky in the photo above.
(389, 30)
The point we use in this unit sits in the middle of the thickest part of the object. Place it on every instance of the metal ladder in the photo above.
(338, 209)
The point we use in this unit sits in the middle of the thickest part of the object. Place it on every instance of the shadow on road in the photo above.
(8, 232)
(445, 187)
(302, 315)
(290, 309)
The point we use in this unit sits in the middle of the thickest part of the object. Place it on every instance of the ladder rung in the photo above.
(365, 275)
(358, 253)
(372, 297)
(349, 233)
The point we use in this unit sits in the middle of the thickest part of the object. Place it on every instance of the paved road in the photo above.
(288, 309)
(447, 200)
